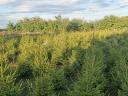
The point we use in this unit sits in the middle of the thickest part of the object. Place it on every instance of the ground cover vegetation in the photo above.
(69, 63)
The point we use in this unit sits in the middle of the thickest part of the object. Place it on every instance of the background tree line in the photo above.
(37, 24)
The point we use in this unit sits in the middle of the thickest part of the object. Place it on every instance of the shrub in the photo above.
(91, 82)
(42, 86)
(24, 71)
(9, 88)
(73, 27)
(59, 83)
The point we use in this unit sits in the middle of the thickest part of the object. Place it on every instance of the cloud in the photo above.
(38, 6)
(23, 8)
(123, 3)
(65, 2)
(2, 2)
(12, 10)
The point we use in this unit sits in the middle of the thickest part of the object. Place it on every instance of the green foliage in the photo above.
(10, 27)
(42, 87)
(59, 83)
(92, 81)
(8, 88)
(39, 25)
(65, 64)
(74, 26)
(24, 71)
(7, 81)
(110, 22)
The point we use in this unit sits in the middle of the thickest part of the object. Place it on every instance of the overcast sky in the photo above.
(12, 10)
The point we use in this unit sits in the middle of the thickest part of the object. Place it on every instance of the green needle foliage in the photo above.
(93, 63)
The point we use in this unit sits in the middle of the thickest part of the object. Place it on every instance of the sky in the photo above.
(13, 10)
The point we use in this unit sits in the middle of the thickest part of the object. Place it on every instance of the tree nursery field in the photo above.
(69, 58)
